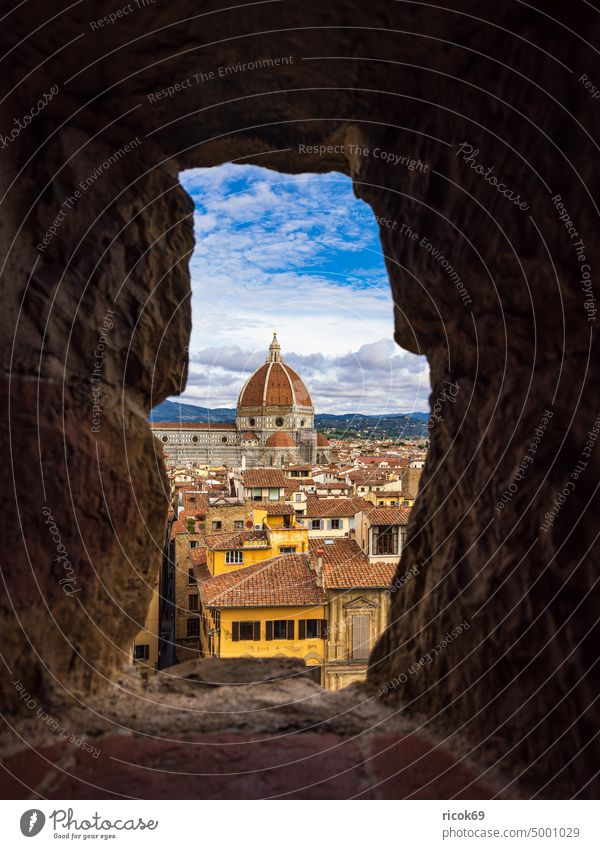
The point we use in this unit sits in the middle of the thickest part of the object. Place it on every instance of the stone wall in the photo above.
(515, 332)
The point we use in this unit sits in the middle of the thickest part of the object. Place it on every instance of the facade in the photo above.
(332, 516)
(274, 425)
(357, 593)
(145, 645)
(271, 608)
(381, 532)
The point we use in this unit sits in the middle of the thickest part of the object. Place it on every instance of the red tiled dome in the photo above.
(280, 440)
(322, 440)
(274, 384)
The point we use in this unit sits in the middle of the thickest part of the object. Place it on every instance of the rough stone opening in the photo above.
(520, 691)
(300, 253)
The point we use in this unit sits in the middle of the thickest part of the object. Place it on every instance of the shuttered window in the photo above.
(193, 627)
(312, 629)
(280, 629)
(245, 630)
(193, 602)
(385, 539)
(360, 636)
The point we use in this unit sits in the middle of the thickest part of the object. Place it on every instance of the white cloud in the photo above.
(283, 252)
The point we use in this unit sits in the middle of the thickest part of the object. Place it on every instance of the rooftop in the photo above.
(281, 581)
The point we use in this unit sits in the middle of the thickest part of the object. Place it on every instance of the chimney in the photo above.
(319, 567)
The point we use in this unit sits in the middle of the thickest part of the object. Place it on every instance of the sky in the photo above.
(298, 254)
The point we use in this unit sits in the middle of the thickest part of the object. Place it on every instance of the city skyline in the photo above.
(285, 253)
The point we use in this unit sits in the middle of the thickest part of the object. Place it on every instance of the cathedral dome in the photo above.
(274, 384)
(322, 440)
(280, 440)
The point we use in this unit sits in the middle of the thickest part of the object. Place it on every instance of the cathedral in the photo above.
(274, 425)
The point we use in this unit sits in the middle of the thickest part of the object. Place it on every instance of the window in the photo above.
(191, 577)
(193, 602)
(165, 438)
(223, 439)
(360, 636)
(315, 525)
(141, 652)
(302, 422)
(193, 627)
(238, 525)
(280, 629)
(273, 493)
(194, 439)
(298, 496)
(279, 422)
(234, 557)
(385, 539)
(335, 524)
(287, 549)
(256, 493)
(245, 631)
(312, 629)
(217, 525)
(194, 543)
(251, 422)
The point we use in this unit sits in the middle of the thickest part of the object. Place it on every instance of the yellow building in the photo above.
(145, 644)
(276, 532)
(268, 609)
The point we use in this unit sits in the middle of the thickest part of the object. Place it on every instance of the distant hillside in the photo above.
(170, 411)
(401, 425)
(407, 425)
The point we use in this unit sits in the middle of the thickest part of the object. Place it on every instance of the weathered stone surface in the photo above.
(521, 682)
(211, 672)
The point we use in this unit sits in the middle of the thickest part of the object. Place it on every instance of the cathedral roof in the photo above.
(322, 440)
(280, 439)
(274, 384)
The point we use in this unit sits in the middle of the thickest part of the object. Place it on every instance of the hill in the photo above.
(400, 425)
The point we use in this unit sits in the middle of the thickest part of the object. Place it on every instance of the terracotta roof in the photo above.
(195, 502)
(280, 440)
(389, 515)
(198, 556)
(239, 539)
(274, 384)
(192, 426)
(270, 478)
(345, 565)
(274, 508)
(334, 508)
(322, 440)
(249, 434)
(281, 581)
(364, 474)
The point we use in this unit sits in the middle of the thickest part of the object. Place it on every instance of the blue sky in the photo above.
(301, 255)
